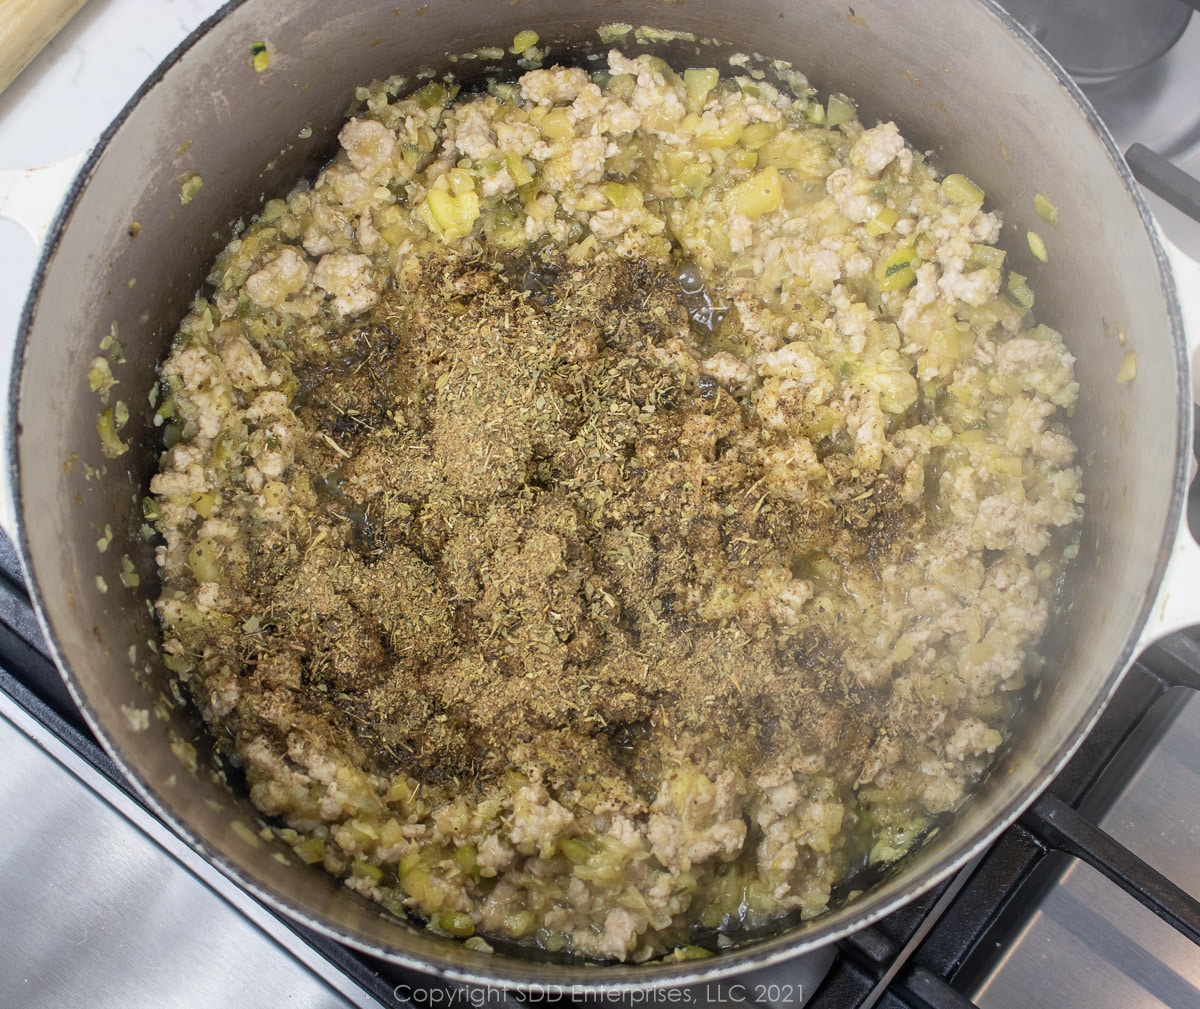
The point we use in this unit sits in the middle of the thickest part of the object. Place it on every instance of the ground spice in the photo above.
(529, 529)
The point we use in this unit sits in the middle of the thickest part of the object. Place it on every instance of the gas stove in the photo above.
(1090, 899)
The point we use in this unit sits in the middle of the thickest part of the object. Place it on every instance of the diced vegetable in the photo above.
(986, 256)
(723, 136)
(259, 56)
(1019, 292)
(961, 190)
(698, 83)
(1037, 246)
(556, 125)
(898, 270)
(757, 134)
(189, 186)
(840, 109)
(760, 194)
(452, 217)
(524, 40)
(310, 850)
(204, 560)
(110, 442)
(456, 923)
(883, 222)
(367, 871)
(1046, 210)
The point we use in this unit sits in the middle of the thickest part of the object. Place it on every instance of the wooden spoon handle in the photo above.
(25, 28)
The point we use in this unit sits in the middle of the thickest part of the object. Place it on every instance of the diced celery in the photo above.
(760, 194)
(273, 210)
(466, 858)
(205, 503)
(623, 196)
(986, 256)
(460, 181)
(524, 40)
(516, 168)
(1046, 210)
(556, 125)
(622, 86)
(431, 95)
(519, 924)
(576, 849)
(391, 833)
(961, 190)
(363, 831)
(552, 940)
(190, 185)
(757, 134)
(417, 884)
(367, 871)
(898, 270)
(745, 159)
(840, 109)
(203, 560)
(1046, 333)
(882, 222)
(689, 178)
(1037, 246)
(944, 343)
(453, 216)
(697, 83)
(100, 376)
(439, 205)
(681, 953)
(110, 442)
(723, 136)
(804, 154)
(399, 790)
(260, 56)
(609, 33)
(1019, 292)
(456, 923)
(310, 850)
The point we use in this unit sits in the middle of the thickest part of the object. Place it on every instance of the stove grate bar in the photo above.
(869, 945)
(1164, 179)
(931, 992)
(1066, 829)
(1176, 659)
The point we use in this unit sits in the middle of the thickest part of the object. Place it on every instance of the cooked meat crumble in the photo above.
(607, 512)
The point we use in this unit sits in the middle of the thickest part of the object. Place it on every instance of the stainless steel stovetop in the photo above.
(106, 907)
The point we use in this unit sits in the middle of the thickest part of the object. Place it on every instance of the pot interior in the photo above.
(129, 255)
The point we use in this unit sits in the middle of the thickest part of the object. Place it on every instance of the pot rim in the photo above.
(509, 972)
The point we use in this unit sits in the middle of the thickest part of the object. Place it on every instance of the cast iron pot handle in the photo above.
(31, 197)
(1178, 603)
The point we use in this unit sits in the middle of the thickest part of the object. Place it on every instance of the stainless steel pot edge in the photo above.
(525, 975)
(1178, 602)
